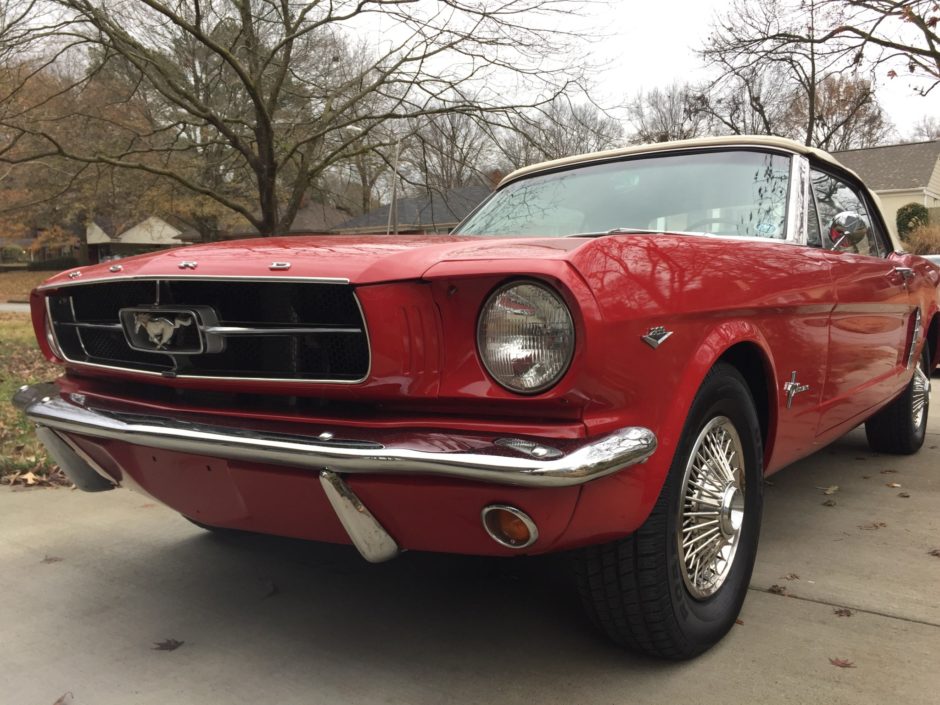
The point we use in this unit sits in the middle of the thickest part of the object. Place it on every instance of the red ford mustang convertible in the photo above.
(606, 358)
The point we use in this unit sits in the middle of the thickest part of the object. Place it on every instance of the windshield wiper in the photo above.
(614, 231)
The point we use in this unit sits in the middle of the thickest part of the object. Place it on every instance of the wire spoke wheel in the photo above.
(711, 510)
(920, 397)
(674, 587)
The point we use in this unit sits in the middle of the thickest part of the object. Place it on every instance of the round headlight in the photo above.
(525, 336)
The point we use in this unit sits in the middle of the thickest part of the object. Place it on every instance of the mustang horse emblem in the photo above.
(160, 330)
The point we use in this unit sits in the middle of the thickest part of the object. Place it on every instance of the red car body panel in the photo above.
(791, 308)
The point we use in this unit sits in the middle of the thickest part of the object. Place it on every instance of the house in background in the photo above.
(151, 234)
(435, 213)
(899, 174)
(311, 219)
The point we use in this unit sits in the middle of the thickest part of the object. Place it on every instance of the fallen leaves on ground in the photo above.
(38, 477)
(873, 526)
(832, 489)
(842, 663)
(935, 552)
(904, 494)
(21, 453)
(50, 559)
(167, 645)
(791, 576)
(777, 589)
(888, 471)
(16, 285)
(895, 485)
(739, 621)
(843, 611)
(65, 699)
(829, 503)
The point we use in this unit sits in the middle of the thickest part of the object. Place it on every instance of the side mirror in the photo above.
(847, 228)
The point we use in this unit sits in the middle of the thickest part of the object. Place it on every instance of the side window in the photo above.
(834, 196)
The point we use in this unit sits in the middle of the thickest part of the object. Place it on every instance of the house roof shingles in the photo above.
(425, 212)
(893, 167)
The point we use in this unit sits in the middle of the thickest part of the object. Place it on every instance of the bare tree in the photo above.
(904, 33)
(248, 104)
(671, 113)
(848, 115)
(559, 129)
(926, 129)
(764, 64)
(448, 150)
(747, 101)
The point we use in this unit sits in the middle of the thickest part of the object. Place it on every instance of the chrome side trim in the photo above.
(390, 452)
(198, 277)
(242, 330)
(367, 534)
(98, 326)
(915, 338)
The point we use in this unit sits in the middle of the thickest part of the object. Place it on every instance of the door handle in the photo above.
(905, 272)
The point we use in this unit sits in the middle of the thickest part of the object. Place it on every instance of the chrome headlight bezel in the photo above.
(567, 351)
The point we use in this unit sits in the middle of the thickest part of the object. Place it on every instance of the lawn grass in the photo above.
(16, 285)
(21, 363)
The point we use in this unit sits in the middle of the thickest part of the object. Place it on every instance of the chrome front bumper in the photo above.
(500, 460)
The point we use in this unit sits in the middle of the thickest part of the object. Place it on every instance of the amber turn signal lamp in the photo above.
(509, 526)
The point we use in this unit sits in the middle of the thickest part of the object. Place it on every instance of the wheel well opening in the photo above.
(748, 359)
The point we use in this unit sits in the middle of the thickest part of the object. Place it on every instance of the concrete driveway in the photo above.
(89, 584)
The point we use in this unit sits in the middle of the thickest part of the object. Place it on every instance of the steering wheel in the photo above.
(711, 221)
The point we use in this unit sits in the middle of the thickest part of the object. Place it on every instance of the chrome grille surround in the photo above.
(333, 349)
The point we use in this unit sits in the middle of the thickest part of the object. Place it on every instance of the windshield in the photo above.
(736, 192)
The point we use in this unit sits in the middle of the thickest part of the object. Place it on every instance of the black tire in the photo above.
(894, 429)
(634, 588)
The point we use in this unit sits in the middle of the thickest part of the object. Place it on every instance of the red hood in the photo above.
(361, 260)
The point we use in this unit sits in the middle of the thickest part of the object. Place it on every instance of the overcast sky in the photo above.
(645, 44)
(653, 44)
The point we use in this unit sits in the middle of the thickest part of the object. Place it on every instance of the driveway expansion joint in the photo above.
(854, 608)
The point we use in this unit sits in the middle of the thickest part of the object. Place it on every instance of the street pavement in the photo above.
(90, 584)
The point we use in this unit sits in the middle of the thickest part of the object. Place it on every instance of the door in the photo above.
(868, 327)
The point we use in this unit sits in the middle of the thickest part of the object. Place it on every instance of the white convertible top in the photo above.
(782, 143)
(723, 141)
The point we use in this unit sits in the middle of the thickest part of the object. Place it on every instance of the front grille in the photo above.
(246, 329)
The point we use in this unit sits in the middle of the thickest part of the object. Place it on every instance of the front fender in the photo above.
(618, 505)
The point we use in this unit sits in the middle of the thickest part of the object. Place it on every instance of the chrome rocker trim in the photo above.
(500, 461)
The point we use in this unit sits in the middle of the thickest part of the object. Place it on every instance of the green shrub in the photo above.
(53, 265)
(909, 217)
(13, 253)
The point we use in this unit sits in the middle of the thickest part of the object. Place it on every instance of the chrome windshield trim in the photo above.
(798, 199)
(580, 461)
